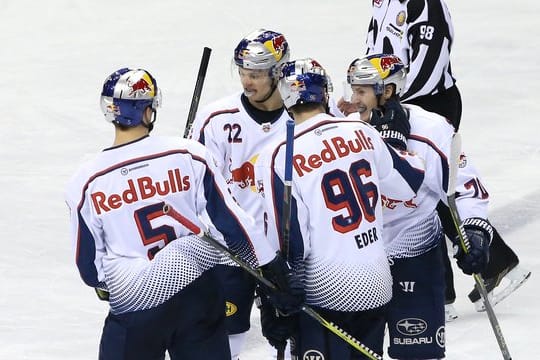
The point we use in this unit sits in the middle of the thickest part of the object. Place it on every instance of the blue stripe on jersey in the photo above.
(444, 160)
(86, 254)
(413, 176)
(201, 138)
(225, 220)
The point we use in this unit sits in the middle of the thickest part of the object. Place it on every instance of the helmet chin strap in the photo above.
(270, 93)
(150, 125)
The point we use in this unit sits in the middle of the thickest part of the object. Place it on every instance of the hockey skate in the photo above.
(450, 313)
(500, 286)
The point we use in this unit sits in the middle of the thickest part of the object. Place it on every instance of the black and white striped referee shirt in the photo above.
(420, 32)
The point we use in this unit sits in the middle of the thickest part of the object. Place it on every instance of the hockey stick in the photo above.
(169, 210)
(286, 216)
(465, 243)
(198, 90)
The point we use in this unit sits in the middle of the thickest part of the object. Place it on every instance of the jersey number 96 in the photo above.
(346, 192)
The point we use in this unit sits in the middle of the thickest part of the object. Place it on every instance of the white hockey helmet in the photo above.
(378, 70)
(303, 81)
(126, 94)
(262, 50)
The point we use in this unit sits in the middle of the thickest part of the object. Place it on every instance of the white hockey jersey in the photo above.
(118, 224)
(236, 140)
(412, 227)
(340, 168)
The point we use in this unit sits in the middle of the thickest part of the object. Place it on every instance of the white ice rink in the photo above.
(55, 54)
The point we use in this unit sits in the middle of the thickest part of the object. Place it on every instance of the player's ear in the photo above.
(388, 91)
(148, 115)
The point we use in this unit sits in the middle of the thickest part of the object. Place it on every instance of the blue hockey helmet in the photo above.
(378, 70)
(262, 50)
(126, 94)
(303, 81)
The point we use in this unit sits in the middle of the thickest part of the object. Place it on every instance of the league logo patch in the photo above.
(230, 308)
(401, 17)
(377, 3)
(313, 355)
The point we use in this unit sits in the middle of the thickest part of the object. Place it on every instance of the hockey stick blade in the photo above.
(205, 58)
(169, 210)
(465, 243)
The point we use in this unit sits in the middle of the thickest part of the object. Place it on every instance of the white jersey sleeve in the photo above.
(472, 197)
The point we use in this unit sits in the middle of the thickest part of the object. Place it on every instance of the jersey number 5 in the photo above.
(345, 191)
(150, 235)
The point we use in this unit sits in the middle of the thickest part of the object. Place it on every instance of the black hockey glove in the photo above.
(289, 295)
(276, 328)
(480, 233)
(392, 123)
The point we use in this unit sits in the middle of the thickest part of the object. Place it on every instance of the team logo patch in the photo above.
(440, 336)
(113, 109)
(386, 65)
(244, 176)
(277, 46)
(230, 308)
(401, 17)
(313, 355)
(411, 326)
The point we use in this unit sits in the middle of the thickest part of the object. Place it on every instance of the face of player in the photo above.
(257, 84)
(363, 96)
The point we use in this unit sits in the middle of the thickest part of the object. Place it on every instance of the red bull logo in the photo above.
(391, 204)
(113, 109)
(141, 86)
(386, 65)
(298, 85)
(244, 176)
(387, 62)
(277, 46)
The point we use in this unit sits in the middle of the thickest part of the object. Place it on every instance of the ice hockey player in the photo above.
(340, 169)
(161, 295)
(235, 129)
(413, 234)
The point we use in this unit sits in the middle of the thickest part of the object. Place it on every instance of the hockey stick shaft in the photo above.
(286, 215)
(287, 195)
(198, 90)
(169, 210)
(465, 244)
